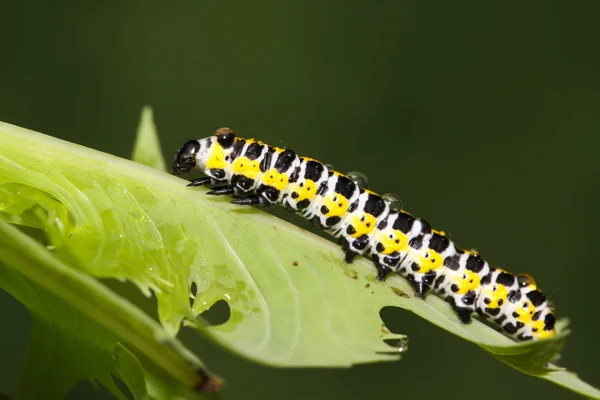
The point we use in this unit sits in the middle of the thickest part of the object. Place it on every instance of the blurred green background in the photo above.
(483, 118)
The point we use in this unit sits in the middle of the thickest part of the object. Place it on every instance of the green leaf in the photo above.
(131, 372)
(293, 301)
(77, 324)
(147, 149)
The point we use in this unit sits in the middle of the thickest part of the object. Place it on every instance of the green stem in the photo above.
(92, 298)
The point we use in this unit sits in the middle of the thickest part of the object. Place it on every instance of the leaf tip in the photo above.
(147, 149)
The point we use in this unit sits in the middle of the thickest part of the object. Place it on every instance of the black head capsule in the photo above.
(225, 137)
(185, 159)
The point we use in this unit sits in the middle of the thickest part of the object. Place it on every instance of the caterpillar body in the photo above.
(370, 225)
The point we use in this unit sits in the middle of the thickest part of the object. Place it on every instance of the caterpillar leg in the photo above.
(382, 271)
(222, 191)
(420, 289)
(351, 250)
(464, 314)
(205, 181)
(316, 222)
(252, 201)
(349, 256)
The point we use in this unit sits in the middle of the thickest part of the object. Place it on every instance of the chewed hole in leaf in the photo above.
(218, 314)
(400, 344)
(397, 341)
(193, 291)
(395, 318)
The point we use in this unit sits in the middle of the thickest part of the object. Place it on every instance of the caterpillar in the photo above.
(370, 225)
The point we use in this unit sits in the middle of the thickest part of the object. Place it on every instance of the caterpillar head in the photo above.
(200, 153)
(185, 159)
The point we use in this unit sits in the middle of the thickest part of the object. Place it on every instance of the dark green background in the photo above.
(483, 118)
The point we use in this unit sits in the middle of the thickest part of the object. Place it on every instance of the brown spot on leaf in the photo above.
(207, 382)
(400, 293)
(351, 273)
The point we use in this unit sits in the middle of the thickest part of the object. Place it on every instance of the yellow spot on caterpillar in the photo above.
(495, 294)
(337, 205)
(274, 179)
(442, 233)
(525, 312)
(469, 281)
(394, 241)
(252, 140)
(540, 333)
(306, 190)
(363, 224)
(429, 261)
(217, 158)
(544, 334)
(539, 325)
(248, 168)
